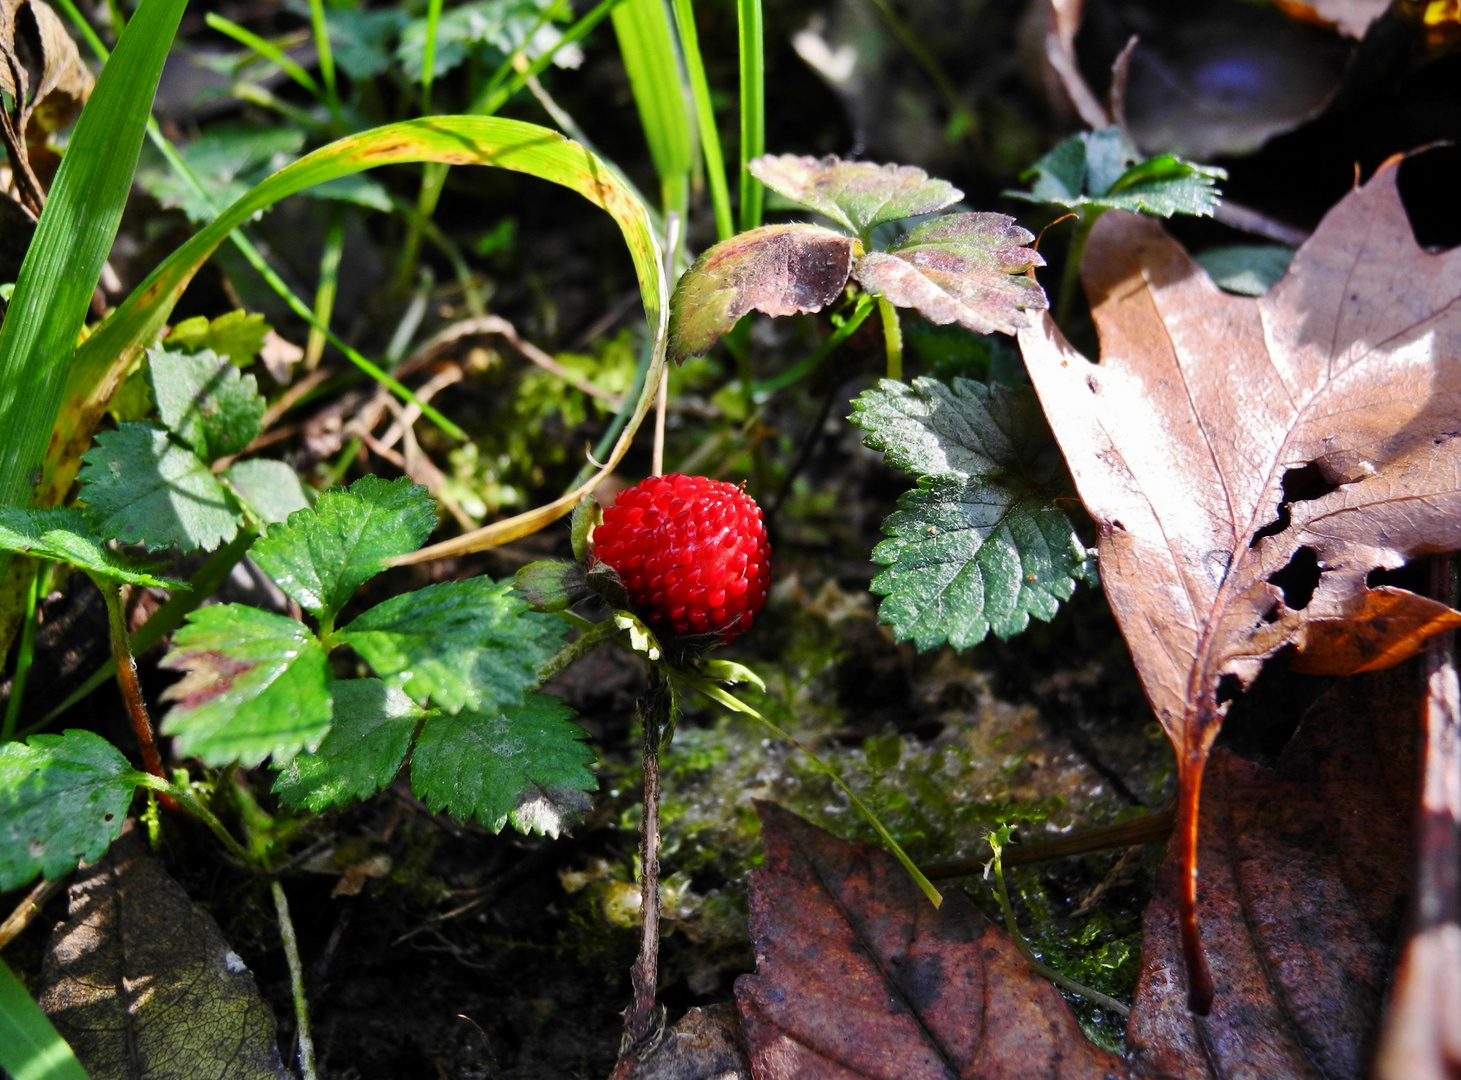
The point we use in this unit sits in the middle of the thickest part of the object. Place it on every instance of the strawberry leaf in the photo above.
(778, 269)
(369, 736)
(459, 644)
(270, 489)
(963, 268)
(256, 685)
(1102, 170)
(236, 336)
(141, 487)
(205, 402)
(64, 536)
(62, 798)
(322, 555)
(526, 765)
(979, 545)
(857, 195)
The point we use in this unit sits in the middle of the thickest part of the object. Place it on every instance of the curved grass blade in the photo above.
(30, 1047)
(457, 140)
(72, 239)
(647, 44)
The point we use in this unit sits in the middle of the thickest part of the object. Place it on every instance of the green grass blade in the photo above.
(72, 240)
(456, 140)
(647, 43)
(326, 57)
(753, 107)
(267, 49)
(725, 225)
(428, 55)
(30, 1048)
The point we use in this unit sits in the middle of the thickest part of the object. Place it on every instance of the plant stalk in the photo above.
(24, 655)
(639, 1021)
(296, 982)
(892, 338)
(1147, 829)
(1036, 965)
(127, 681)
(1070, 278)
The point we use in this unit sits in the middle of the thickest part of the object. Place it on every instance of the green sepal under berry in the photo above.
(368, 739)
(141, 487)
(980, 544)
(1102, 170)
(62, 798)
(255, 685)
(320, 556)
(205, 402)
(458, 644)
(64, 535)
(551, 586)
(526, 765)
(587, 516)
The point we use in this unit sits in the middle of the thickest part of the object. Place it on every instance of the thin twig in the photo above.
(1245, 219)
(1147, 829)
(296, 982)
(26, 911)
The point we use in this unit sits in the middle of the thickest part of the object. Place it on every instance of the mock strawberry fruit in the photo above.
(692, 554)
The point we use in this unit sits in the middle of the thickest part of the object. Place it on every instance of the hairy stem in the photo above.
(639, 1021)
(892, 338)
(127, 681)
(296, 982)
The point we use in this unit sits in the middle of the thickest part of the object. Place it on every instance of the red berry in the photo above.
(692, 554)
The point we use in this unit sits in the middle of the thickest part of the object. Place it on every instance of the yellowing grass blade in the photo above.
(103, 360)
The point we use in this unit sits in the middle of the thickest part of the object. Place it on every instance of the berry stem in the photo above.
(639, 1021)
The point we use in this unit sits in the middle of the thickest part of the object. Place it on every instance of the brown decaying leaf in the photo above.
(703, 1045)
(963, 268)
(1181, 440)
(1421, 1038)
(855, 194)
(858, 977)
(1305, 870)
(142, 984)
(1350, 17)
(776, 269)
(1388, 625)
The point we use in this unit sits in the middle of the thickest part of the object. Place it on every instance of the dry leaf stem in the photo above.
(639, 1022)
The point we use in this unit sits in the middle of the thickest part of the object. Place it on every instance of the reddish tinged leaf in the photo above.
(858, 195)
(963, 268)
(1305, 870)
(1389, 625)
(858, 976)
(1224, 441)
(778, 269)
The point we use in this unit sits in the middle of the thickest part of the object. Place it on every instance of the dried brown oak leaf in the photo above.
(142, 984)
(858, 977)
(1305, 872)
(1223, 439)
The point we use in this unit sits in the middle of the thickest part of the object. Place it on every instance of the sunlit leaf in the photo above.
(238, 336)
(1101, 169)
(204, 400)
(271, 489)
(63, 534)
(857, 195)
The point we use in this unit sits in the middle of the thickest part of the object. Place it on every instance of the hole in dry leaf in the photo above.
(1299, 485)
(1260, 721)
(1299, 578)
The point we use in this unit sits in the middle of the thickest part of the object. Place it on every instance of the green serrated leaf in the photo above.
(858, 195)
(271, 489)
(967, 429)
(459, 644)
(64, 535)
(1246, 269)
(498, 25)
(967, 557)
(543, 586)
(1102, 170)
(369, 736)
(526, 765)
(360, 39)
(62, 798)
(776, 269)
(322, 555)
(237, 336)
(256, 685)
(140, 487)
(963, 268)
(228, 160)
(980, 545)
(205, 401)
